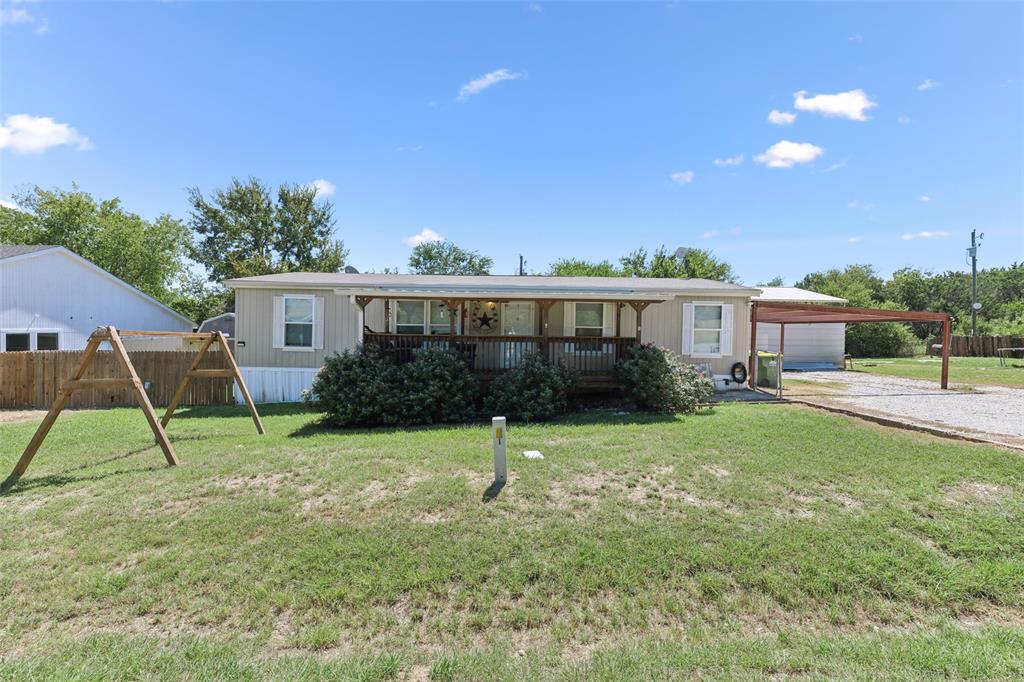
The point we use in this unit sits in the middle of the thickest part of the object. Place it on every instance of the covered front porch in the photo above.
(494, 334)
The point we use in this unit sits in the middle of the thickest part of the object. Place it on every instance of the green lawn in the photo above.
(970, 371)
(754, 541)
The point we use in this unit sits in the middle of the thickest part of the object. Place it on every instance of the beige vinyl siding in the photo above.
(255, 327)
(663, 326)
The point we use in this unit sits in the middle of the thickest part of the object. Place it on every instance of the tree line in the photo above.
(248, 228)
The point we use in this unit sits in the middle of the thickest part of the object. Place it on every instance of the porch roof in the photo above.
(496, 286)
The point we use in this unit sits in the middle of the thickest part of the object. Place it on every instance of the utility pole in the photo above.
(522, 264)
(973, 255)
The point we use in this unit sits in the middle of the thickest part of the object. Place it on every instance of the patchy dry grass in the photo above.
(964, 372)
(756, 540)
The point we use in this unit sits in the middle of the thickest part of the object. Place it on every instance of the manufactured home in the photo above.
(286, 325)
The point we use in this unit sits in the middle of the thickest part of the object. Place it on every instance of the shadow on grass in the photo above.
(318, 427)
(15, 485)
(264, 410)
(492, 491)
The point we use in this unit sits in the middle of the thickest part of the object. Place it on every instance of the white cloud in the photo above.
(683, 177)
(729, 161)
(928, 84)
(11, 17)
(17, 15)
(535, 7)
(856, 38)
(857, 204)
(324, 188)
(488, 80)
(26, 134)
(923, 235)
(786, 154)
(925, 198)
(709, 234)
(851, 104)
(425, 235)
(409, 148)
(9, 204)
(836, 166)
(904, 120)
(854, 240)
(781, 118)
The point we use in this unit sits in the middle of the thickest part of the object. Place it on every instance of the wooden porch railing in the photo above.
(593, 357)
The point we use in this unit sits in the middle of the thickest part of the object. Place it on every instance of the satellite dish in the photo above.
(349, 270)
(681, 252)
(976, 306)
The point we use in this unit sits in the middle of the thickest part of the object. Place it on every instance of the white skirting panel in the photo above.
(276, 384)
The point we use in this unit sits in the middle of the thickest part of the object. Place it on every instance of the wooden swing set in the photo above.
(110, 334)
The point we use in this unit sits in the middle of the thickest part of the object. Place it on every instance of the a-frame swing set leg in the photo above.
(232, 372)
(132, 381)
(76, 382)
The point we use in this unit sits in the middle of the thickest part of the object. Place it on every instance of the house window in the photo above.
(422, 317)
(298, 321)
(16, 341)
(707, 329)
(589, 319)
(47, 341)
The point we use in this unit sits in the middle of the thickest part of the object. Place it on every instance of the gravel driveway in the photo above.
(992, 413)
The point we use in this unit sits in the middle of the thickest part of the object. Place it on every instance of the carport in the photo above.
(782, 313)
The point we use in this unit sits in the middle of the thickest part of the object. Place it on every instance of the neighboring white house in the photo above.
(52, 299)
(808, 346)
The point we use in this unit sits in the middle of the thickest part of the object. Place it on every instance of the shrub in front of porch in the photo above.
(535, 390)
(367, 388)
(657, 379)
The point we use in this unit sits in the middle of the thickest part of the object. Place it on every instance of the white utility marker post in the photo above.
(499, 438)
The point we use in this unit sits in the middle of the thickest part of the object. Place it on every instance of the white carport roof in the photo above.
(796, 295)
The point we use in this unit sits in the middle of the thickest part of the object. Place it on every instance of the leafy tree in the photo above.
(696, 263)
(149, 255)
(859, 284)
(195, 298)
(773, 282)
(242, 231)
(445, 258)
(573, 267)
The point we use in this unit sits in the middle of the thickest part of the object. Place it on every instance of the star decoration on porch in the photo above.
(484, 321)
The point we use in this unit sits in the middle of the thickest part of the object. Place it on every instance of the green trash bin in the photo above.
(768, 369)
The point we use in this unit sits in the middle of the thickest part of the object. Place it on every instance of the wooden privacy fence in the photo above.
(977, 346)
(32, 380)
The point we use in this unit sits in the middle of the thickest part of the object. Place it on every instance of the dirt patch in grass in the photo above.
(967, 492)
(717, 471)
(263, 483)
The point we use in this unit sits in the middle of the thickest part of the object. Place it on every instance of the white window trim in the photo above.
(393, 326)
(721, 329)
(33, 341)
(285, 323)
(603, 348)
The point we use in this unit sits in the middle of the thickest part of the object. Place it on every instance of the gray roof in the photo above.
(12, 250)
(497, 285)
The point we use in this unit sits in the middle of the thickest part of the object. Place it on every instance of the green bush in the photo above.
(880, 340)
(657, 379)
(367, 388)
(437, 386)
(536, 390)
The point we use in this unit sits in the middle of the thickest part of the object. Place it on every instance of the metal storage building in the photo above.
(808, 346)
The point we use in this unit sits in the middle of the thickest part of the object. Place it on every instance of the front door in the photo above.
(517, 319)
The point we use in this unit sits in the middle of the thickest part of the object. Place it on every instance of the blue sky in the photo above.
(551, 130)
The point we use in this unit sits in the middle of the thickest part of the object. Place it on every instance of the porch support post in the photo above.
(454, 306)
(946, 330)
(639, 307)
(544, 305)
(752, 362)
(387, 315)
(618, 318)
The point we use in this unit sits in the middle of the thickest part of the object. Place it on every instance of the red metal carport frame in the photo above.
(781, 313)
